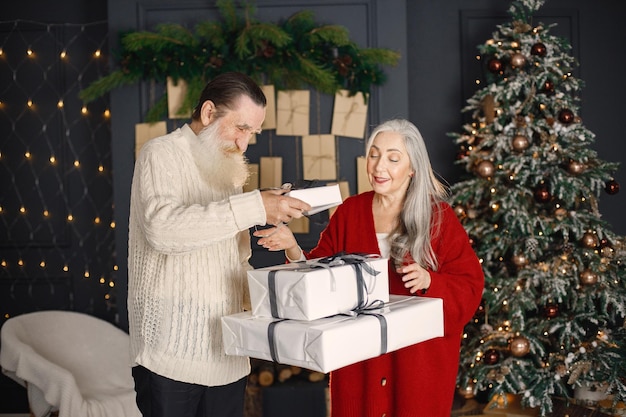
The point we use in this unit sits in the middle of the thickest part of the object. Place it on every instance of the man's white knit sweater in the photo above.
(189, 248)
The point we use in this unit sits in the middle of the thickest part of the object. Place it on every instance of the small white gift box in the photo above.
(319, 198)
(334, 342)
(319, 287)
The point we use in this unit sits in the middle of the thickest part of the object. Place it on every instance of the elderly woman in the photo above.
(405, 218)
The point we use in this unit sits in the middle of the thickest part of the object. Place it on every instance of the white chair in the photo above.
(72, 364)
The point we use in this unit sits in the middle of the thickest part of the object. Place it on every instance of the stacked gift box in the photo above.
(324, 314)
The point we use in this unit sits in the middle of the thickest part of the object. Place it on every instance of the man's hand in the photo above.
(280, 208)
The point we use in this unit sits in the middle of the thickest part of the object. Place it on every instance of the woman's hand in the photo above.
(415, 278)
(276, 238)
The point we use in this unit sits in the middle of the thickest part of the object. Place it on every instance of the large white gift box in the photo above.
(334, 342)
(319, 198)
(317, 288)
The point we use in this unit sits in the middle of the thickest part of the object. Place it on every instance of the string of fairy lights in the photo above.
(56, 200)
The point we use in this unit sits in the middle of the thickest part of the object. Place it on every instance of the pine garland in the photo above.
(292, 54)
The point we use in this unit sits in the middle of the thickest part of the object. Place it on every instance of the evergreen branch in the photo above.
(106, 84)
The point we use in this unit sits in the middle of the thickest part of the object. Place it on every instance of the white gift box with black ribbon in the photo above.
(318, 288)
(333, 342)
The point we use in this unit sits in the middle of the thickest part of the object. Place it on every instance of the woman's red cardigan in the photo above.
(419, 380)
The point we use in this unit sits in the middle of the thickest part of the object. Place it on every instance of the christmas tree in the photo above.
(552, 317)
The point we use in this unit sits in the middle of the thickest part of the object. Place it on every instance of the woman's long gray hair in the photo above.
(419, 217)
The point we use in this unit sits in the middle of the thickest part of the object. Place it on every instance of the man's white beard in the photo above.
(220, 162)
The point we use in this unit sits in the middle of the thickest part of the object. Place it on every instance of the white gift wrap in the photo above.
(304, 291)
(333, 342)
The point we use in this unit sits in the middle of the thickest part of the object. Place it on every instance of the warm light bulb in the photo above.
(100, 168)
(63, 54)
(478, 57)
(107, 296)
(65, 268)
(1, 52)
(112, 225)
(46, 213)
(86, 274)
(115, 267)
(102, 280)
(111, 284)
(20, 262)
(22, 209)
(53, 160)
(97, 53)
(29, 52)
(3, 263)
(27, 155)
(107, 113)
(477, 81)
(42, 264)
(84, 110)
(70, 217)
(76, 163)
(96, 220)
(29, 103)
(60, 104)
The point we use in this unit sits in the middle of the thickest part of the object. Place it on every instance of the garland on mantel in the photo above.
(291, 54)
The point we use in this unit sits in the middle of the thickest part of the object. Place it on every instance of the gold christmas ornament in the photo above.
(589, 240)
(576, 167)
(560, 213)
(520, 260)
(459, 210)
(467, 391)
(485, 169)
(519, 346)
(519, 143)
(518, 60)
(588, 277)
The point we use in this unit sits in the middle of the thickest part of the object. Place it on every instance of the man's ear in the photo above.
(207, 112)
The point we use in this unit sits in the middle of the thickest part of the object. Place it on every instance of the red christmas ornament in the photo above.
(491, 357)
(611, 187)
(494, 65)
(551, 310)
(542, 194)
(548, 87)
(566, 116)
(538, 49)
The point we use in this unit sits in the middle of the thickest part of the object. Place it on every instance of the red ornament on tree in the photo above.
(611, 187)
(494, 65)
(548, 87)
(491, 357)
(566, 116)
(551, 310)
(538, 49)
(542, 194)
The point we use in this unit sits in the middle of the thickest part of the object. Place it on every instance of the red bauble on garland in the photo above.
(494, 65)
(611, 187)
(566, 116)
(542, 194)
(538, 49)
(491, 357)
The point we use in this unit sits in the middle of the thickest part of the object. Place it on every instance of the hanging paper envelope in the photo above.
(362, 181)
(253, 178)
(349, 115)
(146, 131)
(271, 168)
(270, 109)
(176, 93)
(319, 158)
(292, 118)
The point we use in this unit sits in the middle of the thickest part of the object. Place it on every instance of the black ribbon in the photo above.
(271, 330)
(357, 261)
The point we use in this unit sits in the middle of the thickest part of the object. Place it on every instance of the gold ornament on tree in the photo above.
(485, 169)
(518, 60)
(520, 143)
(520, 260)
(588, 277)
(519, 346)
(589, 240)
(576, 167)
